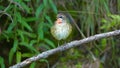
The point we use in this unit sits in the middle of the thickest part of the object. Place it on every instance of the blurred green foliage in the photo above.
(25, 26)
(111, 23)
(2, 62)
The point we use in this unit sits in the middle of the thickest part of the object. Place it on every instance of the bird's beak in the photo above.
(59, 21)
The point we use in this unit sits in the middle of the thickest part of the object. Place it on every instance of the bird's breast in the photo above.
(62, 31)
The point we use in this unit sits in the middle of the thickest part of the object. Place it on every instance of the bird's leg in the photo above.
(65, 42)
(58, 43)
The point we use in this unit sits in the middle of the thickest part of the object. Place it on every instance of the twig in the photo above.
(65, 47)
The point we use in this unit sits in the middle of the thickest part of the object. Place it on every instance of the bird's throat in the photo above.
(59, 21)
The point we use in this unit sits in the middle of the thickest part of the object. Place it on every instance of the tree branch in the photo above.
(65, 47)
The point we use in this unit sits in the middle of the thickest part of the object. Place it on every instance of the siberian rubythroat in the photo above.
(61, 28)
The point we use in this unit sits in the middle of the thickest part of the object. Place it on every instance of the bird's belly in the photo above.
(62, 32)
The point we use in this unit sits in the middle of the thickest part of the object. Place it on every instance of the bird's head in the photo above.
(61, 18)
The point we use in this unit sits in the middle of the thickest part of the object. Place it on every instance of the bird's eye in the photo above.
(60, 17)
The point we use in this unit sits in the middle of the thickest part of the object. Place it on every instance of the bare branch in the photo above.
(65, 47)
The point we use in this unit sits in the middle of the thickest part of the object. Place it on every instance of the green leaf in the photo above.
(30, 19)
(23, 22)
(49, 42)
(32, 35)
(11, 53)
(15, 45)
(28, 34)
(2, 64)
(43, 60)
(27, 0)
(11, 26)
(104, 21)
(48, 19)
(53, 6)
(18, 57)
(46, 61)
(2, 7)
(41, 34)
(105, 4)
(40, 31)
(45, 2)
(33, 65)
(25, 7)
(27, 55)
(104, 42)
(31, 48)
(13, 50)
(7, 35)
(39, 10)
(21, 35)
(32, 42)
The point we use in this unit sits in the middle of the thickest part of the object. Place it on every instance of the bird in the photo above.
(61, 28)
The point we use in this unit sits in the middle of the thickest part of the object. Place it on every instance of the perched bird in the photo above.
(61, 28)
